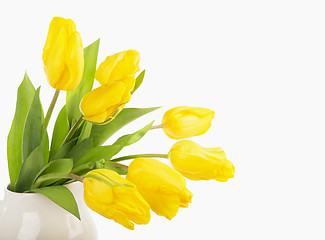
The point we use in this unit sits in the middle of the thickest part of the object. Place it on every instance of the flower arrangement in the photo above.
(89, 118)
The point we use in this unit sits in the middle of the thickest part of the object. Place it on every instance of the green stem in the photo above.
(156, 127)
(91, 166)
(81, 168)
(49, 176)
(50, 111)
(140, 156)
(72, 131)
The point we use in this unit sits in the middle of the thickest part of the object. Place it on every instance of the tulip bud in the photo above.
(105, 102)
(160, 185)
(185, 122)
(197, 163)
(118, 66)
(114, 197)
(63, 55)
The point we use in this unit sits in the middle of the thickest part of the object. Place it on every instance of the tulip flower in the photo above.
(197, 163)
(185, 122)
(105, 102)
(160, 185)
(63, 55)
(114, 197)
(118, 66)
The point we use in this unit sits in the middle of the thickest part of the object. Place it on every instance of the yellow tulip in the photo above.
(105, 102)
(160, 185)
(118, 66)
(197, 163)
(63, 55)
(114, 197)
(185, 122)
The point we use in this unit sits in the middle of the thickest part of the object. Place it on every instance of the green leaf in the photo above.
(32, 135)
(57, 166)
(79, 150)
(138, 81)
(129, 139)
(25, 95)
(83, 169)
(74, 97)
(63, 165)
(62, 152)
(61, 129)
(29, 170)
(46, 150)
(85, 131)
(100, 133)
(107, 152)
(62, 196)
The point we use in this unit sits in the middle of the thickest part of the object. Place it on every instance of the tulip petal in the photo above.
(98, 118)
(118, 66)
(100, 99)
(218, 152)
(134, 206)
(185, 198)
(164, 178)
(63, 55)
(107, 210)
(163, 204)
(114, 197)
(74, 64)
(105, 68)
(197, 163)
(53, 58)
(119, 217)
(160, 185)
(184, 122)
(129, 82)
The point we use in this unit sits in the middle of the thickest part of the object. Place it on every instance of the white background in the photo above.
(258, 64)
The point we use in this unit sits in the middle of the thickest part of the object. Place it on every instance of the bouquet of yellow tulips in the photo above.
(76, 150)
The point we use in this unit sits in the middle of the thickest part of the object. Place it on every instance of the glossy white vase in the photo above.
(29, 216)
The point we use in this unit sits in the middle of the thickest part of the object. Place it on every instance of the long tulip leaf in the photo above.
(85, 131)
(57, 166)
(138, 81)
(74, 97)
(61, 129)
(107, 152)
(100, 133)
(29, 170)
(62, 196)
(32, 135)
(62, 152)
(45, 147)
(79, 150)
(25, 95)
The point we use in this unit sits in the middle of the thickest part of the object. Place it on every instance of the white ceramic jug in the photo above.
(27, 216)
